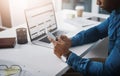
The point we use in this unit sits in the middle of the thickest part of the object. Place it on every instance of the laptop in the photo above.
(37, 19)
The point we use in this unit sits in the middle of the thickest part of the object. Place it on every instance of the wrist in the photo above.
(65, 56)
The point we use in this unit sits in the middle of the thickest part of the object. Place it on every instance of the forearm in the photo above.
(84, 37)
(75, 62)
(94, 68)
(85, 66)
(91, 35)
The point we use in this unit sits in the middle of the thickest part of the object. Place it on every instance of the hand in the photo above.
(61, 46)
(66, 40)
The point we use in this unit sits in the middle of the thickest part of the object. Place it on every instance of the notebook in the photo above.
(1, 29)
(7, 42)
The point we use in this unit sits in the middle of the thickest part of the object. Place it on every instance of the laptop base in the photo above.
(44, 44)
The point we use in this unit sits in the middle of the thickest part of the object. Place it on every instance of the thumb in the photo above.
(52, 40)
(63, 37)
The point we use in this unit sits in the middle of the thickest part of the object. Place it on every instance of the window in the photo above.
(89, 5)
(71, 4)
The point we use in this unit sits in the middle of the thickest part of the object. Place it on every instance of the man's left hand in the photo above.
(60, 47)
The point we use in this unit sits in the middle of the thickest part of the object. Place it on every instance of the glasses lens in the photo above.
(13, 70)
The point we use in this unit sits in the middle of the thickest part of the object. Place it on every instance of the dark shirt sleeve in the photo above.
(111, 67)
(91, 35)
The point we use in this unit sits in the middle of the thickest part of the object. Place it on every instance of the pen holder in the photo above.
(21, 35)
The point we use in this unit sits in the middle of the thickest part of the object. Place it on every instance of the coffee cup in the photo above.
(21, 35)
(79, 10)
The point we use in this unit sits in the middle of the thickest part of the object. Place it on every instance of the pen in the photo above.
(87, 25)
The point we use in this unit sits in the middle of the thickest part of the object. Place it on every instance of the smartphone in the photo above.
(98, 19)
(49, 34)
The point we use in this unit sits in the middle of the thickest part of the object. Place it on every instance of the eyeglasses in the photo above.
(10, 70)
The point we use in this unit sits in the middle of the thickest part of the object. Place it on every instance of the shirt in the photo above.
(109, 28)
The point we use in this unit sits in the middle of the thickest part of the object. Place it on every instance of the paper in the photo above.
(80, 22)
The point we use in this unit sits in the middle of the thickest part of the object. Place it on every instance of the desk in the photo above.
(39, 60)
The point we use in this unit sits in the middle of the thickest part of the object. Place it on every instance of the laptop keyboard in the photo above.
(58, 33)
(45, 40)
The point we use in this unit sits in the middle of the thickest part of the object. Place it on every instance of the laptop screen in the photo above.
(40, 17)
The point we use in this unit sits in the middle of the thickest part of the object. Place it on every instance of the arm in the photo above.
(111, 67)
(91, 35)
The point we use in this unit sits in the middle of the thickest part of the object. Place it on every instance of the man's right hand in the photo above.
(66, 40)
(61, 46)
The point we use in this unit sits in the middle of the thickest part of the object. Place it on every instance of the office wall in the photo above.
(5, 13)
(17, 9)
(71, 4)
(57, 5)
(68, 4)
(0, 22)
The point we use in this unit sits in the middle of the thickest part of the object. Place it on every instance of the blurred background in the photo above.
(12, 11)
(12, 14)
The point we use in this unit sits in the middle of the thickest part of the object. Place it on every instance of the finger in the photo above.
(60, 38)
(49, 38)
(57, 38)
(57, 54)
(63, 37)
(52, 40)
